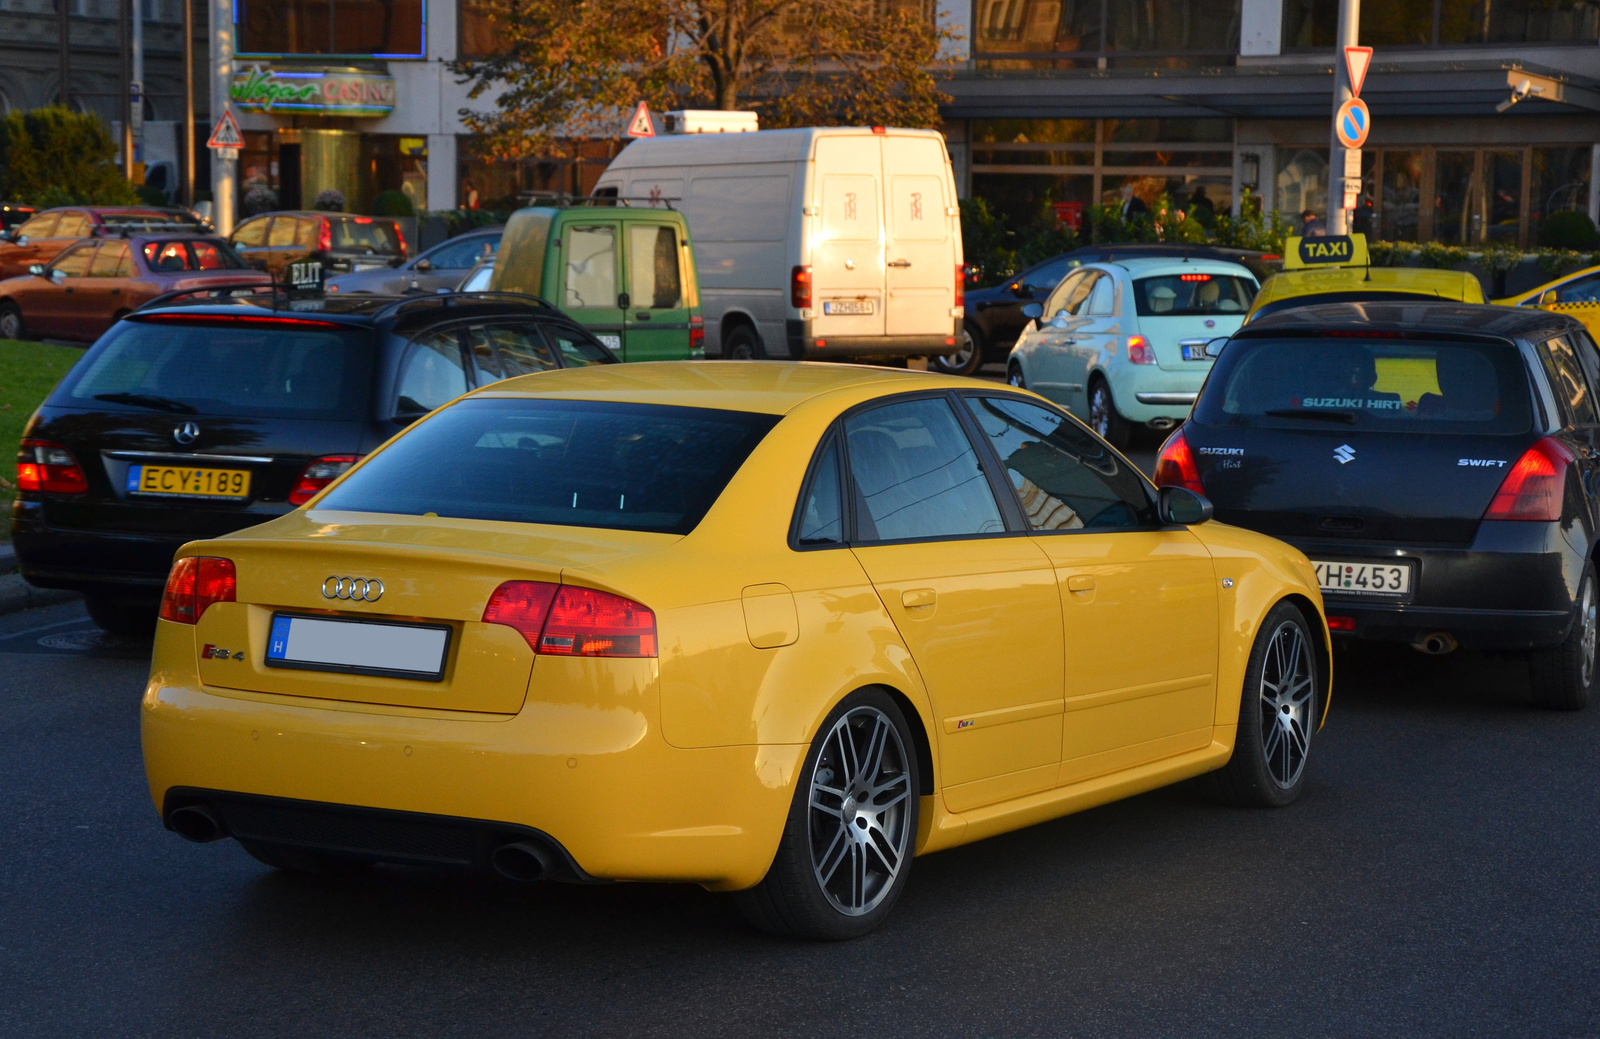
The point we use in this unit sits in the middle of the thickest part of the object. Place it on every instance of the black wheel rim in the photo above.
(860, 811)
(1288, 694)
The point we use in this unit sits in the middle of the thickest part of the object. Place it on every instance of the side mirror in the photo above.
(1214, 347)
(36, 269)
(1016, 289)
(1033, 311)
(1179, 506)
(22, 240)
(58, 276)
(1059, 319)
(423, 265)
(1547, 297)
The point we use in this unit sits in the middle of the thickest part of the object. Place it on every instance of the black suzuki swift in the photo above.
(1438, 462)
(196, 418)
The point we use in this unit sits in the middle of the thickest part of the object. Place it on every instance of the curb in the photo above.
(17, 594)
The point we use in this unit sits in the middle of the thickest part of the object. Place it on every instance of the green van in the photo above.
(625, 273)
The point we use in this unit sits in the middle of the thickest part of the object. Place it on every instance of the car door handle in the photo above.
(1080, 585)
(918, 598)
(899, 263)
(116, 292)
(642, 315)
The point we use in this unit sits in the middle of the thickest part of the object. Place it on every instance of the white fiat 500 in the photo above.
(1123, 344)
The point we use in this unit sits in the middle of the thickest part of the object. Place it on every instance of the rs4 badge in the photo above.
(210, 652)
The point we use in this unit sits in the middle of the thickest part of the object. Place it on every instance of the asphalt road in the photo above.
(1437, 878)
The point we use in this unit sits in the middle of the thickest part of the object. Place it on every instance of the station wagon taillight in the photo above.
(566, 620)
(1175, 466)
(800, 287)
(51, 468)
(1536, 485)
(1140, 351)
(194, 584)
(318, 475)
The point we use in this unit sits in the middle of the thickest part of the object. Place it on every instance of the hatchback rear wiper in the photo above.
(149, 400)
(1347, 417)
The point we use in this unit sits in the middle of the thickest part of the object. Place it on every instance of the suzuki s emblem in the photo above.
(1344, 453)
(356, 589)
(187, 433)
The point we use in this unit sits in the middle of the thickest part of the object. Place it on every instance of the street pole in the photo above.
(223, 177)
(188, 103)
(1339, 157)
(136, 86)
(64, 57)
(125, 12)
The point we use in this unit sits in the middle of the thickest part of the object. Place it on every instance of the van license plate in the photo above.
(352, 647)
(1364, 578)
(847, 306)
(181, 481)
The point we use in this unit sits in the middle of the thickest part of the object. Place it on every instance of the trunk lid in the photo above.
(1168, 334)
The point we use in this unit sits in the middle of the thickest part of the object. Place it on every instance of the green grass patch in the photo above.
(28, 372)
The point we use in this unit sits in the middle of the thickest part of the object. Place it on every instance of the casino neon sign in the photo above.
(325, 91)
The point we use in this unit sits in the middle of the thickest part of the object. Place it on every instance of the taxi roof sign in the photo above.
(1326, 251)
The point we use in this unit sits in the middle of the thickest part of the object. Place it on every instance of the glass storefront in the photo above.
(347, 28)
(1312, 24)
(295, 164)
(1067, 34)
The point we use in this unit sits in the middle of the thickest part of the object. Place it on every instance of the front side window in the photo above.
(463, 254)
(1073, 290)
(653, 278)
(41, 226)
(1100, 297)
(916, 475)
(591, 267)
(73, 225)
(359, 28)
(1579, 290)
(111, 261)
(75, 261)
(433, 373)
(1175, 295)
(251, 232)
(1065, 477)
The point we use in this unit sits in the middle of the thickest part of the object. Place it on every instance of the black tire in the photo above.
(742, 344)
(1104, 418)
(968, 358)
(795, 898)
(121, 615)
(1268, 767)
(11, 324)
(1014, 376)
(299, 860)
(1562, 676)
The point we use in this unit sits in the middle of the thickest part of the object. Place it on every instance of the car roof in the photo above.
(1445, 316)
(768, 387)
(1146, 266)
(320, 212)
(362, 309)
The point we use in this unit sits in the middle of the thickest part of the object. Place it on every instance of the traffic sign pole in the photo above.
(1342, 204)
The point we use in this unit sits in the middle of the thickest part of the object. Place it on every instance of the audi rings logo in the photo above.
(356, 589)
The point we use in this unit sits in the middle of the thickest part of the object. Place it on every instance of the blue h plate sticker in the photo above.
(278, 641)
(134, 474)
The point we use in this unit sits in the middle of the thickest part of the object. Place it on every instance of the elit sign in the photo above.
(348, 92)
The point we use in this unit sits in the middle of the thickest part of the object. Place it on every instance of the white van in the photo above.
(818, 242)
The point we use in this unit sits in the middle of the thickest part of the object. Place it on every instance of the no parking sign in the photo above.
(1351, 123)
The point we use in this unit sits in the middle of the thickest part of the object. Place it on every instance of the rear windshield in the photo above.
(244, 371)
(1177, 295)
(573, 463)
(198, 255)
(364, 236)
(1405, 385)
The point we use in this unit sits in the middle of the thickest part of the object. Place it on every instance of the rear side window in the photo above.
(916, 475)
(283, 231)
(463, 254)
(363, 234)
(578, 350)
(226, 369)
(432, 373)
(73, 225)
(1566, 375)
(821, 519)
(1176, 295)
(1401, 385)
(572, 463)
(517, 349)
(111, 261)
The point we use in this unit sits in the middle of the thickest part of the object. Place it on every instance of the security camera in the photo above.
(1521, 90)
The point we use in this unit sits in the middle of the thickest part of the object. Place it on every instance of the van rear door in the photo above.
(920, 254)
(590, 262)
(657, 315)
(847, 251)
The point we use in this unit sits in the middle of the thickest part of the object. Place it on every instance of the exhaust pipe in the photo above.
(1162, 423)
(1435, 645)
(196, 823)
(523, 861)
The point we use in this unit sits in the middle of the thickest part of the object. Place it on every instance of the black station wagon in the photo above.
(191, 419)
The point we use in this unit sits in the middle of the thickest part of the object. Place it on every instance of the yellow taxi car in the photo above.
(1578, 287)
(771, 629)
(1337, 269)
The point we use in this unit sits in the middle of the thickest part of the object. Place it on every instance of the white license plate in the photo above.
(847, 306)
(358, 647)
(1364, 578)
(1194, 353)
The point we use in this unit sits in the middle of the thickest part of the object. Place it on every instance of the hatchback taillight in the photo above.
(47, 467)
(800, 287)
(1535, 487)
(318, 475)
(194, 584)
(1175, 465)
(566, 620)
(1140, 351)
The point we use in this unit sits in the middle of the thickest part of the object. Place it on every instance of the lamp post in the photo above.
(223, 163)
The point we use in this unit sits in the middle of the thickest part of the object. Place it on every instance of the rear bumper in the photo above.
(804, 344)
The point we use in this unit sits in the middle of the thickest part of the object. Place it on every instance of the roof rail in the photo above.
(227, 289)
(449, 299)
(562, 200)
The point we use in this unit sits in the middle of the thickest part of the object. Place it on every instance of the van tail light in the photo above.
(324, 235)
(961, 284)
(1175, 465)
(47, 467)
(1140, 351)
(800, 287)
(697, 334)
(194, 584)
(566, 620)
(1535, 487)
(318, 475)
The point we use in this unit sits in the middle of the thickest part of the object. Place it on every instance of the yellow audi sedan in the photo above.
(772, 628)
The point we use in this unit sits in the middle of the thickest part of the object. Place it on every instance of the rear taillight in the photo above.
(1341, 623)
(1535, 487)
(961, 284)
(697, 335)
(1175, 465)
(194, 584)
(1140, 351)
(800, 287)
(324, 236)
(47, 467)
(402, 236)
(318, 475)
(565, 620)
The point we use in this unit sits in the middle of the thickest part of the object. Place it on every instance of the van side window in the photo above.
(591, 267)
(850, 208)
(653, 278)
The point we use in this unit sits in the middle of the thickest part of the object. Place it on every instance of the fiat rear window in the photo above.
(1410, 385)
(1189, 294)
(572, 463)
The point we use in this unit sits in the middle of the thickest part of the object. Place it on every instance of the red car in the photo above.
(43, 235)
(92, 283)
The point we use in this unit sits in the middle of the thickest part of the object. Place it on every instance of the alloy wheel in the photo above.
(10, 324)
(860, 817)
(1287, 693)
(1014, 377)
(1587, 642)
(1100, 410)
(958, 361)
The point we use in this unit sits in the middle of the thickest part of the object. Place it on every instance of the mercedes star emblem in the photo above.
(187, 433)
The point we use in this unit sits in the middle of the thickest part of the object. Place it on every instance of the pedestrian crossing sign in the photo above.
(226, 133)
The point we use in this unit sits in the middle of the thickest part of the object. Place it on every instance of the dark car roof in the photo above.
(367, 309)
(321, 212)
(1413, 316)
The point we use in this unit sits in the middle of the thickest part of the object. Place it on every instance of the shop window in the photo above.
(1401, 196)
(1454, 218)
(1302, 181)
(1560, 181)
(1090, 33)
(479, 33)
(1502, 196)
(1313, 24)
(357, 28)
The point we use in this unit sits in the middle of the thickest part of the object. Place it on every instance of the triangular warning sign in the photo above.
(640, 125)
(1356, 60)
(226, 133)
